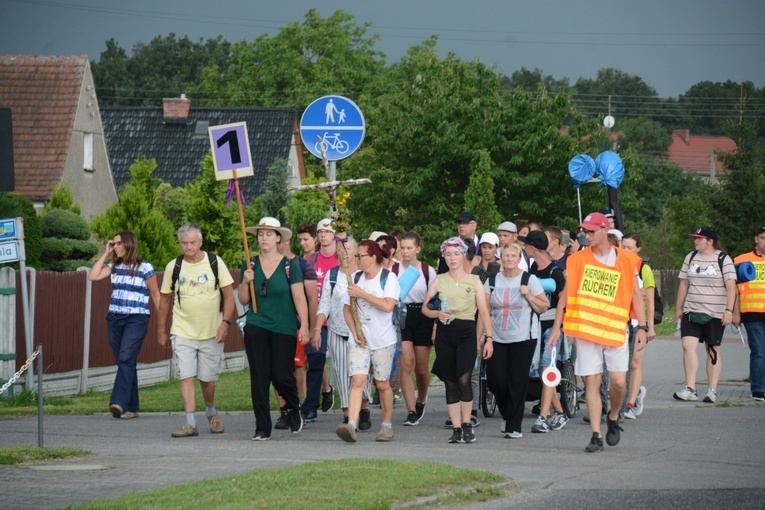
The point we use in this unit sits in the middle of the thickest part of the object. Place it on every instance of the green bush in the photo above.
(55, 249)
(65, 224)
(64, 266)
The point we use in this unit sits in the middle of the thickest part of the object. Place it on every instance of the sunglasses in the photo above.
(264, 288)
(587, 232)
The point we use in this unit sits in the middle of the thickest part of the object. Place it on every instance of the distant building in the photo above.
(698, 154)
(176, 136)
(57, 131)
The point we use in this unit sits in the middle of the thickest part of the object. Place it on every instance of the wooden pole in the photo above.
(253, 301)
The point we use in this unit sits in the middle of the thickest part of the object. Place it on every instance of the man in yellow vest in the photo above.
(750, 309)
(601, 289)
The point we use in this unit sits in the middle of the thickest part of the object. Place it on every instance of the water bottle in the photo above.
(445, 308)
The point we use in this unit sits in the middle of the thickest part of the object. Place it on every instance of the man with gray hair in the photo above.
(198, 288)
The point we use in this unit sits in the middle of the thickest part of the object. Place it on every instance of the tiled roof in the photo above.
(692, 153)
(179, 145)
(43, 93)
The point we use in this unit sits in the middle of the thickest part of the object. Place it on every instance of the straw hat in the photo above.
(269, 223)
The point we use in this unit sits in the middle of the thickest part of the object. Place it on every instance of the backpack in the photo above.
(399, 311)
(213, 259)
(658, 310)
(720, 259)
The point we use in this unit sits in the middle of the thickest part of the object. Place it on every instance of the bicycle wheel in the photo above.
(318, 146)
(488, 399)
(568, 389)
(342, 147)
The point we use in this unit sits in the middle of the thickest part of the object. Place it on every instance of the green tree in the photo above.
(479, 194)
(628, 95)
(219, 223)
(713, 105)
(737, 206)
(301, 62)
(62, 198)
(135, 212)
(531, 80)
(164, 67)
(16, 206)
(276, 198)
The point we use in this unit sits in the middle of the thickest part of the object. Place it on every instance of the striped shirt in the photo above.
(130, 295)
(706, 284)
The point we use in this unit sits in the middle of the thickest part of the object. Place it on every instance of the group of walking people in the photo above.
(505, 299)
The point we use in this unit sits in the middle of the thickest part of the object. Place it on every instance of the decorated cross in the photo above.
(330, 187)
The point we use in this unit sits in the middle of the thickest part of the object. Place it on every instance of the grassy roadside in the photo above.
(232, 394)
(20, 454)
(364, 483)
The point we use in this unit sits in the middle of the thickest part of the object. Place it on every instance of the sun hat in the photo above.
(269, 223)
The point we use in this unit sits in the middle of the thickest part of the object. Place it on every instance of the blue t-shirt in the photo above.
(130, 295)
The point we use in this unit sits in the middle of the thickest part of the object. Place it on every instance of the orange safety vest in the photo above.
(599, 297)
(752, 293)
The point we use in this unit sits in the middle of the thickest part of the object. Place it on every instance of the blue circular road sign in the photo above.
(339, 123)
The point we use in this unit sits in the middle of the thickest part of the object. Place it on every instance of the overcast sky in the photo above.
(670, 44)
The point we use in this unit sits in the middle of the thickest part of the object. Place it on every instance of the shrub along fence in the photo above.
(68, 315)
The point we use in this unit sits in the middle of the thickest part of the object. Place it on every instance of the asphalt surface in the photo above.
(677, 454)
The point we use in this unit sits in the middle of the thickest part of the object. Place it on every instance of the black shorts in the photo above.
(711, 332)
(419, 329)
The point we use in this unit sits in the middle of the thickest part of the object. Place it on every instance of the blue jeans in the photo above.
(126, 335)
(755, 331)
(316, 360)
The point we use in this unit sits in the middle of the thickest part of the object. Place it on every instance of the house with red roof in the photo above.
(57, 131)
(698, 154)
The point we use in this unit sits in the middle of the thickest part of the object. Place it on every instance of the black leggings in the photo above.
(455, 357)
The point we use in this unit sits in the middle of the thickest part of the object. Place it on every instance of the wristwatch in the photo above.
(644, 327)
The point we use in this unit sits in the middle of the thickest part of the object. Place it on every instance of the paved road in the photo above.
(684, 455)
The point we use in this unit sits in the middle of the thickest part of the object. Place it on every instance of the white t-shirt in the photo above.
(420, 289)
(376, 325)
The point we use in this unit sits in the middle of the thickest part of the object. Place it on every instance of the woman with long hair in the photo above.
(133, 282)
(635, 398)
(269, 334)
(376, 291)
(461, 298)
(417, 335)
(705, 300)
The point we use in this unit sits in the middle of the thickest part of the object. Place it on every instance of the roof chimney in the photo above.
(176, 109)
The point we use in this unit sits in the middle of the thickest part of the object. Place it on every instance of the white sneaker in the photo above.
(711, 396)
(686, 394)
(629, 413)
(639, 401)
(513, 435)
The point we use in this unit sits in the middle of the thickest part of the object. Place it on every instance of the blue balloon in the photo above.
(581, 168)
(610, 169)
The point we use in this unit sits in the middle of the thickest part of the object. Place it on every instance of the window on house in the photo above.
(200, 129)
(88, 152)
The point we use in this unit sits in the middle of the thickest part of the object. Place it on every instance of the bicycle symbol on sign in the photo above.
(332, 142)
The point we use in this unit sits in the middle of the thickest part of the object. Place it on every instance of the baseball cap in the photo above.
(489, 238)
(617, 233)
(535, 238)
(760, 230)
(376, 235)
(466, 217)
(594, 221)
(325, 224)
(508, 226)
(607, 213)
(707, 232)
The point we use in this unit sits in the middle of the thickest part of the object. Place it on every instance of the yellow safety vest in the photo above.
(752, 293)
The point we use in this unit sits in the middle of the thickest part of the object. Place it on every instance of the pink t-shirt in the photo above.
(322, 266)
